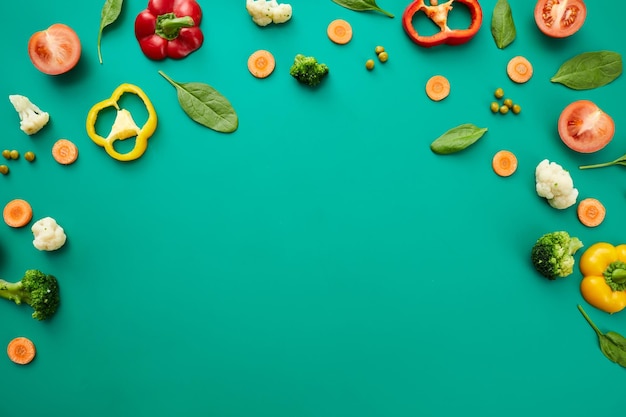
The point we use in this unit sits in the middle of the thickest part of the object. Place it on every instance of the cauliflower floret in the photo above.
(264, 12)
(555, 184)
(32, 118)
(48, 234)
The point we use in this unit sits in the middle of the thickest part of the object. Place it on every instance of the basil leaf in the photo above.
(110, 12)
(362, 5)
(502, 24)
(205, 105)
(457, 139)
(589, 70)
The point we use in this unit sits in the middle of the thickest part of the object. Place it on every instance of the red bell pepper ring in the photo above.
(438, 13)
(169, 28)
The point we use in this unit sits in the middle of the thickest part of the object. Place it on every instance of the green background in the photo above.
(320, 261)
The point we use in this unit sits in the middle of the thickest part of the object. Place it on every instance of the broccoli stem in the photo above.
(13, 291)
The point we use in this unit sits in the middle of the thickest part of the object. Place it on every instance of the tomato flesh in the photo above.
(584, 127)
(560, 18)
(55, 50)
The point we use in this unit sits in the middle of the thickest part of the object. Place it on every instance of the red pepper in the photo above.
(438, 13)
(169, 28)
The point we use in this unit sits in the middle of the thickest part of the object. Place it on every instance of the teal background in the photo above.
(320, 261)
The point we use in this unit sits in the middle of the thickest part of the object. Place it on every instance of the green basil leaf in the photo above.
(110, 12)
(457, 139)
(205, 105)
(589, 70)
(362, 5)
(502, 24)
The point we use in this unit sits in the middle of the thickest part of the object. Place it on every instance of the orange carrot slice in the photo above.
(21, 350)
(64, 152)
(17, 213)
(519, 69)
(591, 212)
(504, 163)
(437, 87)
(339, 31)
(261, 63)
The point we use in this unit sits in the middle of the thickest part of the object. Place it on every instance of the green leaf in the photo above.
(362, 5)
(457, 139)
(612, 345)
(502, 24)
(205, 105)
(110, 12)
(589, 70)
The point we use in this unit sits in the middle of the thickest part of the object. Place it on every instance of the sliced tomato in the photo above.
(55, 50)
(584, 127)
(560, 18)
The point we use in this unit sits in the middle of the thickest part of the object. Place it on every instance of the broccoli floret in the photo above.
(38, 290)
(552, 254)
(307, 70)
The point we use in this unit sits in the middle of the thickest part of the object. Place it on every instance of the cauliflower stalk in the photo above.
(32, 118)
(555, 184)
(48, 234)
(265, 12)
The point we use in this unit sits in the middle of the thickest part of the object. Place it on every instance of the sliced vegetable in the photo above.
(110, 12)
(64, 151)
(261, 63)
(457, 139)
(612, 345)
(339, 31)
(559, 19)
(437, 87)
(17, 213)
(502, 24)
(55, 50)
(589, 70)
(362, 6)
(603, 267)
(504, 163)
(591, 212)
(519, 69)
(584, 127)
(21, 350)
(438, 13)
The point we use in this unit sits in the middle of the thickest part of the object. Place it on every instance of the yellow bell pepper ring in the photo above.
(604, 276)
(124, 127)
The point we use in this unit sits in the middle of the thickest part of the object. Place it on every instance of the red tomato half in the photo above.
(559, 19)
(584, 128)
(55, 50)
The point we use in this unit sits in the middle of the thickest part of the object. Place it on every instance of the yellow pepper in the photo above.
(124, 127)
(604, 276)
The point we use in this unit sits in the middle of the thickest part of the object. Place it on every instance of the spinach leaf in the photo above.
(457, 139)
(502, 24)
(205, 105)
(589, 70)
(362, 5)
(619, 161)
(612, 345)
(110, 12)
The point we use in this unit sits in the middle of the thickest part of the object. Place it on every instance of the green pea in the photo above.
(379, 49)
(495, 107)
(6, 153)
(4, 170)
(508, 102)
(504, 109)
(369, 64)
(499, 93)
(383, 56)
(29, 156)
(516, 109)
(14, 154)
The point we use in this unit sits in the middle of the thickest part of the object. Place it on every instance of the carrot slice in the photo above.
(339, 31)
(21, 350)
(591, 212)
(261, 63)
(17, 213)
(64, 152)
(504, 163)
(437, 87)
(519, 69)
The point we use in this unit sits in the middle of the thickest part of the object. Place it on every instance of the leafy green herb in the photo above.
(362, 5)
(619, 161)
(205, 105)
(612, 345)
(589, 70)
(457, 139)
(110, 12)
(502, 24)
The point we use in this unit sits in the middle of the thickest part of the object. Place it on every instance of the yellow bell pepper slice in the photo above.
(124, 127)
(604, 276)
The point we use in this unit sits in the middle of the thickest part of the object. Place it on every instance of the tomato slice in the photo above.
(584, 127)
(55, 50)
(560, 18)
